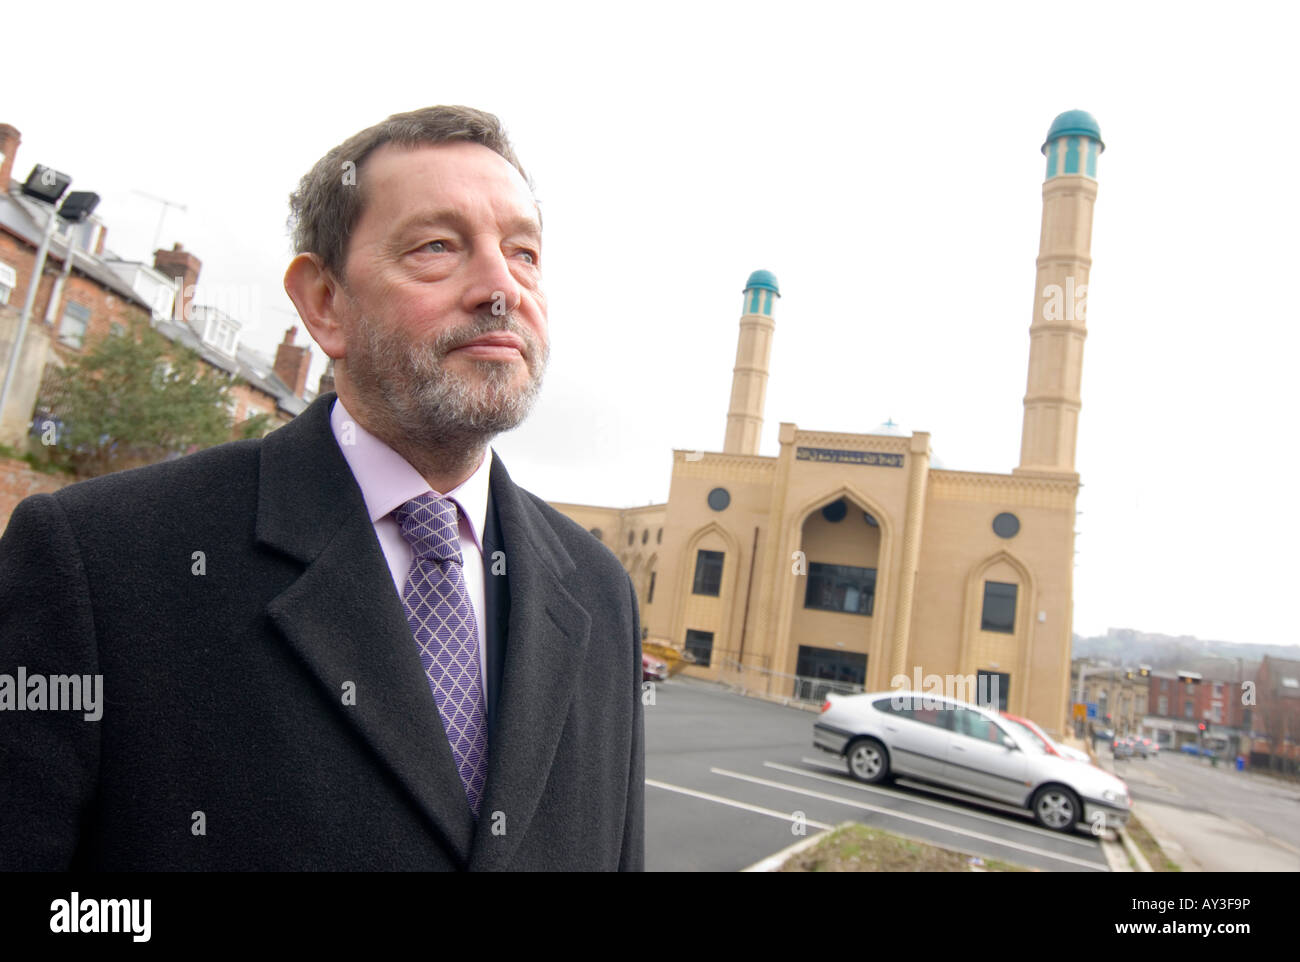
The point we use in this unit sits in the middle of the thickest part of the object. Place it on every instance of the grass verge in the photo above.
(1149, 847)
(857, 848)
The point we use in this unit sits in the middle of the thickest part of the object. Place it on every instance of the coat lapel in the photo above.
(346, 623)
(546, 639)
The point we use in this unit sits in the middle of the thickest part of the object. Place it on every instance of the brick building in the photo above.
(1181, 701)
(1275, 720)
(86, 292)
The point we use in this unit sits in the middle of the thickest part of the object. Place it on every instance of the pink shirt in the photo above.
(388, 481)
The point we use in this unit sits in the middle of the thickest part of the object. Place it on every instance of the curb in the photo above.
(1134, 852)
(774, 862)
(1115, 855)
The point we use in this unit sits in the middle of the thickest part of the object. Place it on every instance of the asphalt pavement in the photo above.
(1213, 818)
(731, 780)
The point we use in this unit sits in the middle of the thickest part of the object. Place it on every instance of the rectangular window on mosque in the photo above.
(999, 607)
(700, 646)
(708, 573)
(992, 687)
(840, 588)
(650, 592)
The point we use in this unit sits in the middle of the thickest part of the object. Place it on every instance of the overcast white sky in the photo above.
(882, 160)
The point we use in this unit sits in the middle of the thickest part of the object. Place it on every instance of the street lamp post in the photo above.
(46, 185)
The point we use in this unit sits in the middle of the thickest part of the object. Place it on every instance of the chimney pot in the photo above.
(292, 362)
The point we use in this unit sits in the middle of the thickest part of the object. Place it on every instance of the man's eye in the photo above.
(531, 255)
(441, 245)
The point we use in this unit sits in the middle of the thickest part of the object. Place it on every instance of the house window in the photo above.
(116, 329)
(700, 645)
(999, 608)
(1163, 705)
(1188, 710)
(76, 318)
(708, 573)
(8, 281)
(840, 588)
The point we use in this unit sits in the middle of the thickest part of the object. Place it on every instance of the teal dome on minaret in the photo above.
(759, 291)
(765, 280)
(1078, 123)
(1072, 145)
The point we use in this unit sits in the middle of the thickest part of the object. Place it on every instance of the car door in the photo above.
(979, 762)
(916, 732)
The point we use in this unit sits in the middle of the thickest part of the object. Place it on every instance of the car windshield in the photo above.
(1028, 738)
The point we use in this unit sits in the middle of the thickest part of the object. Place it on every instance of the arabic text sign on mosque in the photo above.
(878, 458)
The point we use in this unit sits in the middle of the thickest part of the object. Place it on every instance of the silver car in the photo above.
(964, 746)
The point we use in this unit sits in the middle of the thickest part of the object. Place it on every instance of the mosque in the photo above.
(855, 557)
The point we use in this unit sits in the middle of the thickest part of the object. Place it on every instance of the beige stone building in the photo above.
(854, 557)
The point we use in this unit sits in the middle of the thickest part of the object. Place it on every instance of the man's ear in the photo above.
(319, 298)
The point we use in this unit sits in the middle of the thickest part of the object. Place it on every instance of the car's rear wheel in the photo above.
(1057, 808)
(868, 761)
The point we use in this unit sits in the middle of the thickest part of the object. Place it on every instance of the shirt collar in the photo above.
(387, 480)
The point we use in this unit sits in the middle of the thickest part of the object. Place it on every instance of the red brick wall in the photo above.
(250, 401)
(106, 308)
(18, 480)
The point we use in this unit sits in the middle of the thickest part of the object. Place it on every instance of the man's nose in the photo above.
(491, 285)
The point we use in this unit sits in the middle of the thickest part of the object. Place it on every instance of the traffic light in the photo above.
(1202, 726)
(1144, 671)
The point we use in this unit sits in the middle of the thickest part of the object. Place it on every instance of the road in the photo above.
(732, 780)
(1227, 821)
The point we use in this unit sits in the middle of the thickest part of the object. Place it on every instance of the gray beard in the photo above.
(417, 406)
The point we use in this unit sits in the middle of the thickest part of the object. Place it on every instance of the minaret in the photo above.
(1056, 336)
(749, 381)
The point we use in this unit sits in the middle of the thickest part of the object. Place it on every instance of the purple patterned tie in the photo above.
(442, 620)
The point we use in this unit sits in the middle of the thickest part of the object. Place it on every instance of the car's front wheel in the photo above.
(868, 761)
(1057, 808)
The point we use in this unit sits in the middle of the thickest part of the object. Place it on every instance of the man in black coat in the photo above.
(270, 693)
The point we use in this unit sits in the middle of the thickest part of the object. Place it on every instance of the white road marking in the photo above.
(890, 813)
(784, 816)
(889, 793)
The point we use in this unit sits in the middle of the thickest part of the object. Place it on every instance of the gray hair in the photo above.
(328, 202)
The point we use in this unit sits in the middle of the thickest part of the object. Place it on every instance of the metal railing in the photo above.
(779, 686)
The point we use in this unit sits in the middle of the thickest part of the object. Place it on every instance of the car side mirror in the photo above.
(1010, 743)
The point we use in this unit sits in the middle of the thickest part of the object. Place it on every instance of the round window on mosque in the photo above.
(719, 498)
(835, 511)
(870, 519)
(1006, 525)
